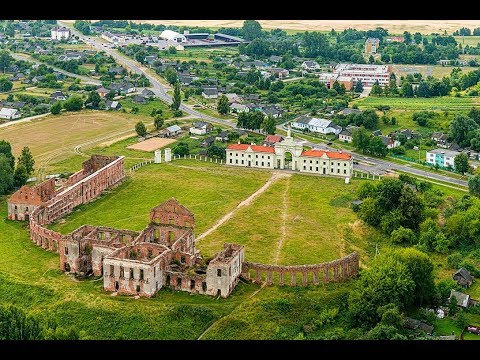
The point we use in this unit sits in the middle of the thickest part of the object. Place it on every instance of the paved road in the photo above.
(378, 166)
(24, 120)
(85, 79)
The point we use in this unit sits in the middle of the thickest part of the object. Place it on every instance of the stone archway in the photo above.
(287, 160)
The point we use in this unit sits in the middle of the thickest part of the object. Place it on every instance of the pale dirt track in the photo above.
(151, 144)
(275, 176)
(393, 26)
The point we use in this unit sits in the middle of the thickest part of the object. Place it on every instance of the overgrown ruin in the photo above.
(163, 254)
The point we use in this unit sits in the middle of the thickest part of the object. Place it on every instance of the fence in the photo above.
(362, 175)
(139, 165)
(200, 158)
(424, 163)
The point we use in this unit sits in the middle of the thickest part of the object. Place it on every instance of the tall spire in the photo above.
(289, 131)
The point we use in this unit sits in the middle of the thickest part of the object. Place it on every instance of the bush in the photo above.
(403, 236)
(178, 113)
(454, 260)
(399, 150)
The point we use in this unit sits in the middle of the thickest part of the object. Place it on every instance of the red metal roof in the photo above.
(255, 148)
(330, 154)
(274, 138)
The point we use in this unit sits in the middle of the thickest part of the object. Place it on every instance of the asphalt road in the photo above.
(380, 166)
(375, 166)
(85, 79)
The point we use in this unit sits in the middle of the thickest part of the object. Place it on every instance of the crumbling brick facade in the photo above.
(26, 199)
(224, 270)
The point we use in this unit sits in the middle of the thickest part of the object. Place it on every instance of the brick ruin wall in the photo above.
(86, 190)
(333, 271)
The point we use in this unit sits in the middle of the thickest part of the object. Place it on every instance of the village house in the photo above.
(112, 105)
(185, 79)
(271, 140)
(310, 65)
(223, 136)
(238, 108)
(170, 131)
(321, 126)
(210, 93)
(463, 277)
(58, 95)
(139, 99)
(272, 111)
(147, 94)
(390, 142)
(441, 157)
(9, 114)
(463, 300)
(441, 139)
(279, 73)
(346, 134)
(349, 111)
(102, 91)
(233, 98)
(201, 128)
(275, 59)
(209, 140)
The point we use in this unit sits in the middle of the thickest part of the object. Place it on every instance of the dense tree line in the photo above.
(82, 26)
(13, 175)
(15, 324)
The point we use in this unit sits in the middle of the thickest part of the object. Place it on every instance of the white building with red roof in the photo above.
(288, 154)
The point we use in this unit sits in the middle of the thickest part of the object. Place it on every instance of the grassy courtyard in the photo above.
(298, 220)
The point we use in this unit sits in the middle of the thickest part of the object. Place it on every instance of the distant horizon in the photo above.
(393, 26)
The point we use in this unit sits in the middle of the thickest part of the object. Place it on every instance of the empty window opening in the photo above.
(219, 272)
(182, 259)
(67, 267)
(179, 281)
(141, 274)
(167, 281)
(150, 253)
(138, 288)
(219, 293)
(66, 250)
(122, 274)
(204, 286)
(131, 273)
(116, 286)
(192, 284)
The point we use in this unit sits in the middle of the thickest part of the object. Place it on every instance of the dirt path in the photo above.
(275, 176)
(284, 223)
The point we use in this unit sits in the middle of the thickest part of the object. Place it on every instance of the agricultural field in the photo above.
(53, 138)
(438, 103)
(468, 40)
(437, 71)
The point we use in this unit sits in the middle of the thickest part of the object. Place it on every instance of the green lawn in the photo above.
(302, 217)
(146, 109)
(209, 191)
